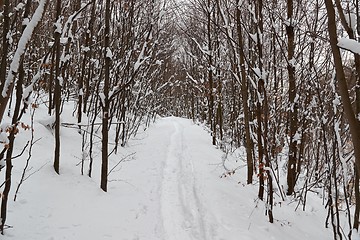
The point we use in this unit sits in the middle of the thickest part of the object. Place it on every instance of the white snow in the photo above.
(297, 137)
(85, 49)
(58, 26)
(141, 58)
(260, 73)
(351, 20)
(4, 138)
(25, 21)
(20, 50)
(349, 44)
(169, 189)
(9, 37)
(292, 62)
(19, 6)
(253, 37)
(61, 80)
(109, 53)
(65, 57)
(64, 40)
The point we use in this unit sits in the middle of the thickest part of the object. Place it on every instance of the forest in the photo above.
(278, 79)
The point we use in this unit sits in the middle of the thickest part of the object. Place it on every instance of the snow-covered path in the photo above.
(170, 189)
(196, 204)
(180, 206)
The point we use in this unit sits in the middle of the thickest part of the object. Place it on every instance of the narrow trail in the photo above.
(181, 208)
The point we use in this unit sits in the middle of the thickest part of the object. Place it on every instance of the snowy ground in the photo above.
(169, 189)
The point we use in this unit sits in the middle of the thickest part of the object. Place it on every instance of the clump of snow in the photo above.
(58, 26)
(349, 44)
(65, 57)
(141, 58)
(61, 80)
(25, 22)
(297, 137)
(109, 53)
(336, 101)
(9, 37)
(64, 40)
(85, 49)
(253, 37)
(261, 74)
(292, 62)
(19, 6)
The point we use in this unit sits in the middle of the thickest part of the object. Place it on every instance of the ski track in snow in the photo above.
(181, 208)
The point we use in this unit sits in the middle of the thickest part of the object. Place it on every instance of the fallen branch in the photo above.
(87, 125)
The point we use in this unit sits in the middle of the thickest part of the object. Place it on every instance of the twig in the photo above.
(121, 160)
(75, 126)
(23, 150)
(36, 171)
(32, 142)
(3, 183)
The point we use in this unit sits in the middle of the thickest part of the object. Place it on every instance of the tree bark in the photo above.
(57, 93)
(291, 168)
(245, 98)
(105, 107)
(4, 57)
(210, 76)
(260, 95)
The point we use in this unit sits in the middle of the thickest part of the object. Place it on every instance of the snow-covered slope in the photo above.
(168, 188)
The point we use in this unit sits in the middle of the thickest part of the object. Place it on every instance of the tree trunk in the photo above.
(210, 76)
(105, 107)
(357, 200)
(13, 131)
(291, 168)
(354, 125)
(86, 89)
(4, 58)
(57, 93)
(260, 95)
(245, 97)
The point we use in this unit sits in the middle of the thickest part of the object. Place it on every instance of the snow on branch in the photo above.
(205, 50)
(28, 90)
(70, 21)
(349, 44)
(141, 58)
(20, 50)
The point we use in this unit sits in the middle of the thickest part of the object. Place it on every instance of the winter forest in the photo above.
(263, 96)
